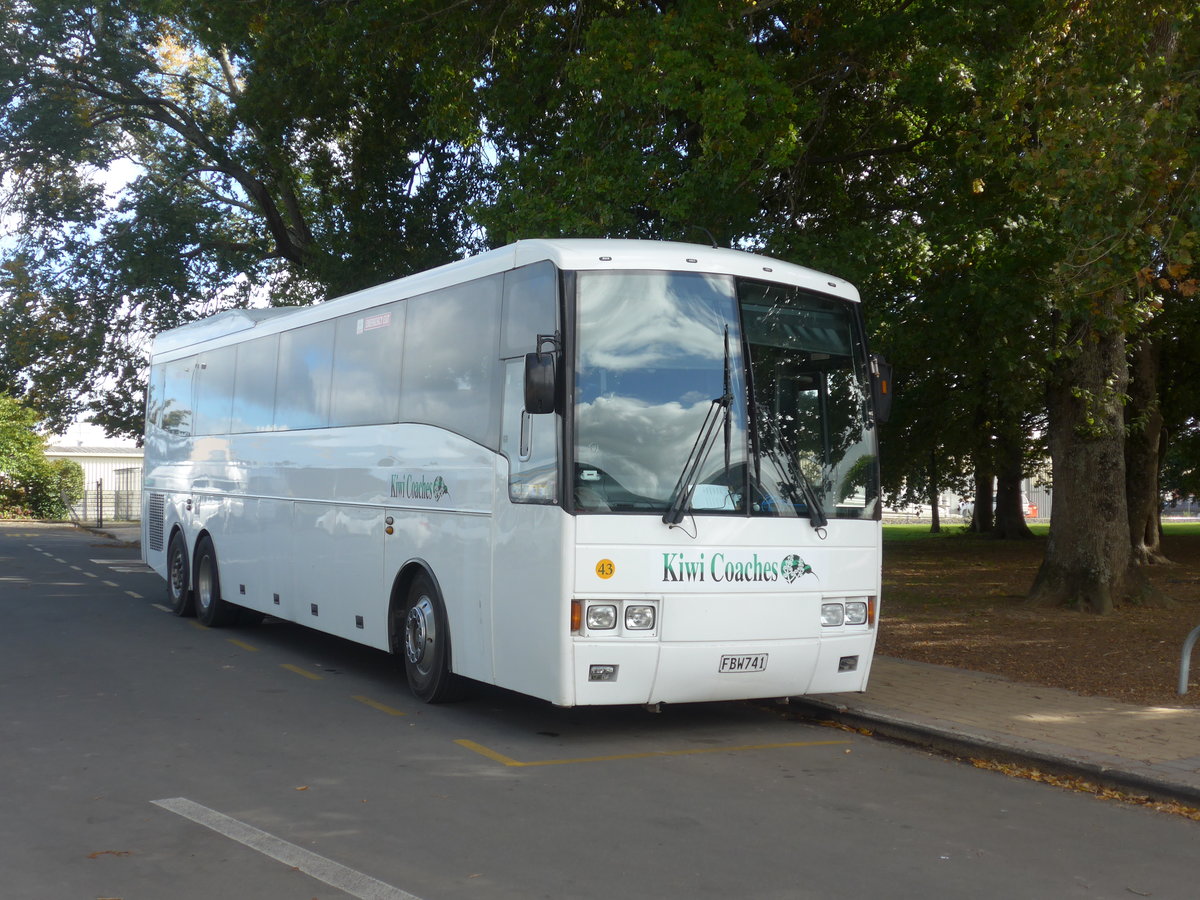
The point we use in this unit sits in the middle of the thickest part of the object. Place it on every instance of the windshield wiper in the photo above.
(685, 487)
(816, 512)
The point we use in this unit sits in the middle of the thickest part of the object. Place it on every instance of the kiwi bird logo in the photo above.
(794, 567)
(439, 488)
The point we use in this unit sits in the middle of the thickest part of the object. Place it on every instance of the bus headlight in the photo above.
(832, 614)
(601, 617)
(856, 612)
(639, 618)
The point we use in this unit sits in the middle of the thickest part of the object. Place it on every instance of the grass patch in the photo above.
(921, 532)
(1181, 528)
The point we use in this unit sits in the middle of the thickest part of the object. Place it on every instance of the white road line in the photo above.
(123, 565)
(163, 608)
(354, 883)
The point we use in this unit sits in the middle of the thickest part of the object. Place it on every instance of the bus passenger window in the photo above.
(366, 367)
(214, 390)
(450, 364)
(305, 372)
(177, 396)
(254, 385)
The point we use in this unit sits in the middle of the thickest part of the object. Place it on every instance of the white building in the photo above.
(112, 476)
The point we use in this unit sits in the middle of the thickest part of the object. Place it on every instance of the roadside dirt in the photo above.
(959, 601)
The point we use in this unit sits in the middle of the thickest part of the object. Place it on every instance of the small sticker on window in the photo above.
(370, 323)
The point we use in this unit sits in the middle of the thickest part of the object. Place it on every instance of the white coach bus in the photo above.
(592, 471)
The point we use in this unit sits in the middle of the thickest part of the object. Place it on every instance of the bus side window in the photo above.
(177, 396)
(305, 373)
(530, 442)
(449, 365)
(366, 367)
(214, 390)
(530, 306)
(254, 385)
(154, 396)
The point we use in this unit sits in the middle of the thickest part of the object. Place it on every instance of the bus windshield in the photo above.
(774, 376)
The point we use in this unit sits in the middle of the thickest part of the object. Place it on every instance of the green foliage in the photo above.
(1181, 471)
(1004, 181)
(68, 482)
(29, 484)
(269, 157)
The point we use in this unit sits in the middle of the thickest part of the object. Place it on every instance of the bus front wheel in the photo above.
(427, 645)
(179, 577)
(211, 610)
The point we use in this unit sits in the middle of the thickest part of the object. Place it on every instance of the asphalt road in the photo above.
(143, 756)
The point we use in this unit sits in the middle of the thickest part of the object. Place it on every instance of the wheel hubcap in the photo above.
(177, 588)
(420, 631)
(204, 587)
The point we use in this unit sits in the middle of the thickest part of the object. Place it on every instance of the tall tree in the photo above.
(1100, 100)
(270, 157)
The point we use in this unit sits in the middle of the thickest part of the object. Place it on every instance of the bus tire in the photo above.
(426, 645)
(179, 577)
(211, 610)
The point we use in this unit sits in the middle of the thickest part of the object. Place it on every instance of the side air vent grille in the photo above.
(154, 521)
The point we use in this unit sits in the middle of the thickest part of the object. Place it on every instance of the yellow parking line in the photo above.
(242, 644)
(299, 671)
(509, 761)
(375, 704)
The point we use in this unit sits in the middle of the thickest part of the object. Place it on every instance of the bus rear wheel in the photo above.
(179, 577)
(426, 645)
(211, 610)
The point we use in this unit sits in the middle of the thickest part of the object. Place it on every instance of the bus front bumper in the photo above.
(632, 672)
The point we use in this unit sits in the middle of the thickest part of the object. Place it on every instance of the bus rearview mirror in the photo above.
(540, 381)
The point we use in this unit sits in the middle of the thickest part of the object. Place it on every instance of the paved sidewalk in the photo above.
(1144, 750)
(125, 532)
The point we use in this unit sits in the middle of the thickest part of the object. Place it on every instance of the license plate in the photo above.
(750, 662)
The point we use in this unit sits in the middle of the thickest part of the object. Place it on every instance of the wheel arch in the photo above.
(201, 535)
(177, 530)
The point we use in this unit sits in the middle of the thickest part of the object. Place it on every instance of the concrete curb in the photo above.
(133, 540)
(1110, 773)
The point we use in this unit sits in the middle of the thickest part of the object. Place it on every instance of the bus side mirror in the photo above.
(881, 387)
(540, 383)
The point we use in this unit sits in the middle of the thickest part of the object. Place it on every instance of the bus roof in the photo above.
(579, 254)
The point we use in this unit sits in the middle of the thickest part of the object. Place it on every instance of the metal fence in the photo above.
(119, 501)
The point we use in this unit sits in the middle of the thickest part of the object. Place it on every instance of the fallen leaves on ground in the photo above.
(960, 602)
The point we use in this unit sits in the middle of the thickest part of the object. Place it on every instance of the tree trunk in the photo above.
(1087, 556)
(936, 527)
(981, 519)
(1010, 511)
(1143, 447)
